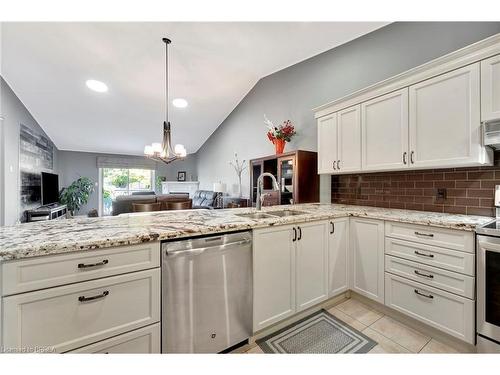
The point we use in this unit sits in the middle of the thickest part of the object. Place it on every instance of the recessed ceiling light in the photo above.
(97, 86)
(180, 103)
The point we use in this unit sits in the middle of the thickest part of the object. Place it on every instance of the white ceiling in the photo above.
(212, 65)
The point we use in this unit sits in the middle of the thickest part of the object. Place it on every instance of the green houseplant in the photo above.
(77, 194)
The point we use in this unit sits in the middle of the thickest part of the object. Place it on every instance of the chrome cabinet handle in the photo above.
(424, 255)
(333, 227)
(90, 265)
(411, 157)
(429, 276)
(334, 168)
(99, 296)
(294, 235)
(300, 233)
(424, 234)
(430, 296)
(338, 164)
(404, 157)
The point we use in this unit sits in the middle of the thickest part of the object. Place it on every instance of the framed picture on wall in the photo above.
(181, 176)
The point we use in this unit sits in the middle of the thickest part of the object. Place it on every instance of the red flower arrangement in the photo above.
(280, 134)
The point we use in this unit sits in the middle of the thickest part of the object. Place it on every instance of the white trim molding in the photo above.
(473, 53)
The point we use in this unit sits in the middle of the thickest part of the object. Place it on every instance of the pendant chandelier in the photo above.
(163, 151)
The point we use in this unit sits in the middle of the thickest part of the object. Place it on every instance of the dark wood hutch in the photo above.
(296, 173)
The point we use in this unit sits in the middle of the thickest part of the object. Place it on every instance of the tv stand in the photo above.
(48, 212)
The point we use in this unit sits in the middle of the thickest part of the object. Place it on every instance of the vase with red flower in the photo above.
(280, 134)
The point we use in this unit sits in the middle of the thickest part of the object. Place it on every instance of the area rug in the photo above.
(319, 333)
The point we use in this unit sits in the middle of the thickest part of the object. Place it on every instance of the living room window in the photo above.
(123, 181)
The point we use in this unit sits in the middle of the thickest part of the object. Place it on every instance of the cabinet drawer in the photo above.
(44, 272)
(452, 260)
(445, 311)
(450, 281)
(141, 341)
(449, 238)
(75, 315)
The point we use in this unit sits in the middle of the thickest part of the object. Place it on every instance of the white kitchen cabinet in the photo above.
(338, 250)
(312, 264)
(445, 128)
(327, 144)
(490, 89)
(273, 275)
(367, 257)
(290, 265)
(349, 140)
(384, 132)
(339, 141)
(140, 341)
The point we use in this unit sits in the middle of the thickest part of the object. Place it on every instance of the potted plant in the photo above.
(280, 134)
(77, 194)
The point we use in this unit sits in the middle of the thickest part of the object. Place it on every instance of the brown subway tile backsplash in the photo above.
(468, 190)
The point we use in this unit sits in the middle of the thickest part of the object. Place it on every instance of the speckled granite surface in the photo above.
(63, 236)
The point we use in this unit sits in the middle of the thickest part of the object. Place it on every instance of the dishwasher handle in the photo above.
(201, 250)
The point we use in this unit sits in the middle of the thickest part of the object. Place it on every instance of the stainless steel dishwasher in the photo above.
(207, 293)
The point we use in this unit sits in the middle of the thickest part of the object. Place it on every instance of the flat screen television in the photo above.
(50, 188)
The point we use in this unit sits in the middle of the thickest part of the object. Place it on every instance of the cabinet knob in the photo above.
(338, 164)
(334, 165)
(411, 157)
(404, 157)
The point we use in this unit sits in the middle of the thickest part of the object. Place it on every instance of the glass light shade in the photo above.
(157, 147)
(180, 150)
(148, 150)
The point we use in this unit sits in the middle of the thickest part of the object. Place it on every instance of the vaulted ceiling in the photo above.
(212, 66)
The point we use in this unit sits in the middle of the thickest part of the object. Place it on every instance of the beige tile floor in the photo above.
(391, 335)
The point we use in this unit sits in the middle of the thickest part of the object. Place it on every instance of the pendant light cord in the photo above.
(167, 42)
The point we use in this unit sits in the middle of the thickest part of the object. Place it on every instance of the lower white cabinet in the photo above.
(290, 265)
(140, 341)
(367, 257)
(274, 275)
(311, 264)
(445, 311)
(71, 316)
(338, 256)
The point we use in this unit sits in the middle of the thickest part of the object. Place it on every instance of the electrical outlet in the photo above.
(440, 194)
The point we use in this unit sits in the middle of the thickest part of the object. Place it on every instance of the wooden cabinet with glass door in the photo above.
(296, 173)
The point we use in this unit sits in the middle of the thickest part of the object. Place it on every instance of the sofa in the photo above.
(202, 199)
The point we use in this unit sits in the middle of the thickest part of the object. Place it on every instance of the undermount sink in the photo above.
(282, 213)
(255, 215)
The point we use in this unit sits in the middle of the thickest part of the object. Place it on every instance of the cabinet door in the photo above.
(444, 119)
(490, 89)
(274, 275)
(367, 251)
(338, 245)
(327, 143)
(384, 132)
(312, 264)
(349, 140)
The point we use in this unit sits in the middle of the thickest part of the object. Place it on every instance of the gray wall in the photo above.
(14, 113)
(292, 93)
(73, 165)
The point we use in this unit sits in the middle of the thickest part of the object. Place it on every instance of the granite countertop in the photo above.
(82, 233)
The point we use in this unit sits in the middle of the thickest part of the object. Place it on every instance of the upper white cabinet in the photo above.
(384, 132)
(338, 250)
(490, 89)
(339, 142)
(367, 257)
(349, 140)
(327, 143)
(427, 117)
(445, 127)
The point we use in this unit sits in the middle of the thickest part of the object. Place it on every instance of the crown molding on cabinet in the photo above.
(454, 60)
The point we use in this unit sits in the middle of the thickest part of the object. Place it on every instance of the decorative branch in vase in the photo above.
(280, 134)
(239, 167)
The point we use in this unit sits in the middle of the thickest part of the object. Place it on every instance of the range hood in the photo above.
(491, 133)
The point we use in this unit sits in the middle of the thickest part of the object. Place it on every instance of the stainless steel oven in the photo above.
(488, 290)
